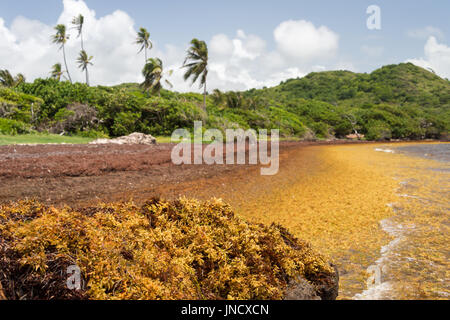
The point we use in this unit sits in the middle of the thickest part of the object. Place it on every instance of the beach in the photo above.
(378, 211)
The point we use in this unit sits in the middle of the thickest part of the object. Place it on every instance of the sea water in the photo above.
(416, 263)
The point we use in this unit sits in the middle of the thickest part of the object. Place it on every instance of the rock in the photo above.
(355, 136)
(134, 138)
(309, 135)
(326, 288)
(300, 289)
(329, 289)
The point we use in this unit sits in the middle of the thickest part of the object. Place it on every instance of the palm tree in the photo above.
(83, 62)
(143, 39)
(78, 23)
(7, 80)
(234, 100)
(153, 73)
(57, 72)
(19, 79)
(217, 97)
(61, 38)
(196, 63)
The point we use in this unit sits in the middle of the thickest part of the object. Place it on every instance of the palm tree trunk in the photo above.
(87, 76)
(65, 62)
(145, 56)
(204, 96)
(82, 44)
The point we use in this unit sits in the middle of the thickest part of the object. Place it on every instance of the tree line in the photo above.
(196, 65)
(196, 62)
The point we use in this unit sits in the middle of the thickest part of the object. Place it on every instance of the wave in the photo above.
(384, 150)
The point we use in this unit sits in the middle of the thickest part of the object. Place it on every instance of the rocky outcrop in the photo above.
(134, 138)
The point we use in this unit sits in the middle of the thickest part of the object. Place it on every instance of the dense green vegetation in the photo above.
(394, 102)
(398, 101)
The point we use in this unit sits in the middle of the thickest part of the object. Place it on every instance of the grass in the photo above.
(41, 139)
(163, 139)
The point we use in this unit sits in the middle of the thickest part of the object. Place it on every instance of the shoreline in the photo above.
(331, 195)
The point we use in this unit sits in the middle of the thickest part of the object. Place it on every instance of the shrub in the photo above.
(18, 106)
(377, 130)
(13, 127)
(95, 134)
(75, 118)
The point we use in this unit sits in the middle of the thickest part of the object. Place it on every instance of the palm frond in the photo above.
(7, 79)
(84, 60)
(153, 73)
(60, 37)
(78, 23)
(196, 62)
(143, 38)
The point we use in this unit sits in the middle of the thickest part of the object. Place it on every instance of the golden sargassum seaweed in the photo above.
(335, 198)
(330, 196)
(185, 249)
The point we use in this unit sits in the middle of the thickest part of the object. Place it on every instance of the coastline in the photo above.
(334, 196)
(421, 211)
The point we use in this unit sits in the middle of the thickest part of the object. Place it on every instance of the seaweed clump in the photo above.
(184, 249)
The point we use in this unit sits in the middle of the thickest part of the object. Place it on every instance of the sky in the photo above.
(252, 43)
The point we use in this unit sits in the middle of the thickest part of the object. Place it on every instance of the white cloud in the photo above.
(437, 57)
(28, 48)
(236, 63)
(221, 46)
(243, 62)
(302, 40)
(426, 32)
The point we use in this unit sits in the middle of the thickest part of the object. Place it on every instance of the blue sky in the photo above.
(416, 31)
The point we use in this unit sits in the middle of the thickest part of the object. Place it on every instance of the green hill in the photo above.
(398, 84)
(394, 102)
